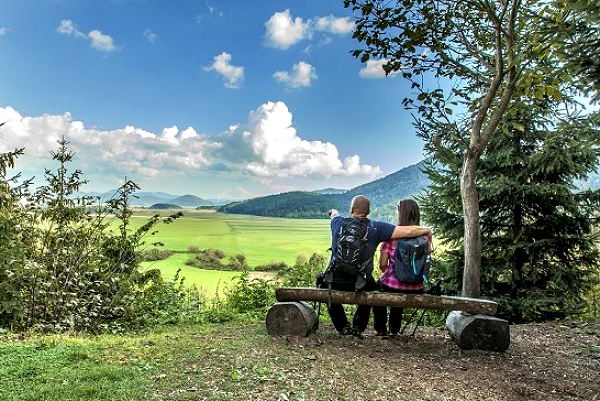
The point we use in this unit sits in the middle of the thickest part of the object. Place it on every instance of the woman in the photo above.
(408, 214)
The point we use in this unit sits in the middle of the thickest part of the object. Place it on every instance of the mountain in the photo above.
(147, 199)
(190, 201)
(329, 191)
(384, 194)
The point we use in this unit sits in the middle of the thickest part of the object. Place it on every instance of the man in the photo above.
(378, 231)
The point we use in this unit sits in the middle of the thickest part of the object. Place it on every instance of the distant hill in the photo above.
(190, 201)
(148, 199)
(329, 191)
(384, 194)
(163, 206)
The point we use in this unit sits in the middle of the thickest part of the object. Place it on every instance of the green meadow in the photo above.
(262, 240)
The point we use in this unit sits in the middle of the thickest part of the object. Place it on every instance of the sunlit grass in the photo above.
(262, 240)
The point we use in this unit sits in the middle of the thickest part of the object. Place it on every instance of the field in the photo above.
(262, 240)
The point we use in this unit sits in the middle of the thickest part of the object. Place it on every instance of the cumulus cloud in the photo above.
(125, 151)
(282, 153)
(98, 40)
(266, 149)
(334, 25)
(374, 70)
(301, 76)
(232, 75)
(284, 31)
(101, 41)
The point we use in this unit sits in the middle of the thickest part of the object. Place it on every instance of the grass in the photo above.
(52, 368)
(262, 240)
(177, 363)
(209, 282)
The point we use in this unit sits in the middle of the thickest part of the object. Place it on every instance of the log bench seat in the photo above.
(471, 322)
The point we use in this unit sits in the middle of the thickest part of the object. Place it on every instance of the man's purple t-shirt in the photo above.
(379, 231)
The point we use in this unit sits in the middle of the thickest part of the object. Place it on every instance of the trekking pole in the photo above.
(408, 321)
(418, 322)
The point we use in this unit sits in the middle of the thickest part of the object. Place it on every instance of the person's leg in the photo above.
(338, 317)
(336, 311)
(396, 320)
(380, 319)
(363, 312)
(380, 316)
(361, 318)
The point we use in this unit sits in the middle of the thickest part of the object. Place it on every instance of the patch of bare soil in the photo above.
(554, 361)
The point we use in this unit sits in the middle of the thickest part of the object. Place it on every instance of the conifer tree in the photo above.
(538, 248)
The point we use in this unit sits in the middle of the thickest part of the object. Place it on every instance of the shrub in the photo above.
(163, 302)
(61, 267)
(272, 267)
(155, 254)
(251, 296)
(304, 272)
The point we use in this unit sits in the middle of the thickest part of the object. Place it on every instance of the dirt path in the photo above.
(544, 362)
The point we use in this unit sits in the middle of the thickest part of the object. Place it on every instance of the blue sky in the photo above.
(219, 99)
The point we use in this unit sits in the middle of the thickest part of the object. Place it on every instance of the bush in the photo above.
(251, 297)
(155, 254)
(164, 302)
(304, 272)
(272, 267)
(61, 267)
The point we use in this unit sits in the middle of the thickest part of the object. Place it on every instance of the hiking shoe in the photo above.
(381, 334)
(357, 333)
(346, 331)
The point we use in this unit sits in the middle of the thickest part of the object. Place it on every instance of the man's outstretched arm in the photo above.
(410, 231)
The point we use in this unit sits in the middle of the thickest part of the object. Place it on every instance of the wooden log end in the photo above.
(478, 331)
(291, 319)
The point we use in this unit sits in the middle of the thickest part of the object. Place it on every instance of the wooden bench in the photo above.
(471, 322)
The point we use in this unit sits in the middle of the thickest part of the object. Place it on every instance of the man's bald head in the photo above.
(360, 206)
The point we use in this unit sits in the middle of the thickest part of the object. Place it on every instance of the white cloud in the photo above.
(265, 150)
(3, 30)
(99, 41)
(151, 36)
(67, 27)
(222, 65)
(282, 153)
(283, 31)
(334, 25)
(301, 75)
(374, 70)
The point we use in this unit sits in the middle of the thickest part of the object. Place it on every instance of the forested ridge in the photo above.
(384, 194)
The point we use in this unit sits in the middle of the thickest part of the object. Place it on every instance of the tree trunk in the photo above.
(470, 204)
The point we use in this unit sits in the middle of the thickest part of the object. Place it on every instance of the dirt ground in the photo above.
(553, 361)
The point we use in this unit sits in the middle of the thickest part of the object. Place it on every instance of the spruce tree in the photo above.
(539, 255)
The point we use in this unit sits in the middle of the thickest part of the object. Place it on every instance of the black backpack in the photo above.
(351, 245)
(412, 260)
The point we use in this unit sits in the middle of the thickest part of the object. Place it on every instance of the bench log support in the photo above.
(291, 319)
(478, 331)
(471, 323)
